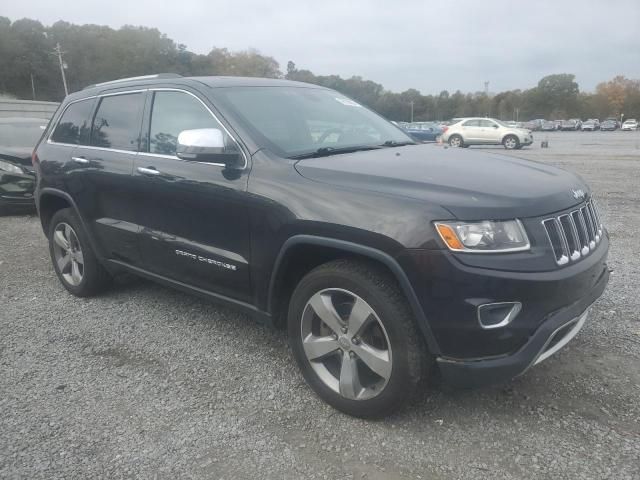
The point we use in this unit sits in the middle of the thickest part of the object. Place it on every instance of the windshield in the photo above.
(293, 121)
(21, 134)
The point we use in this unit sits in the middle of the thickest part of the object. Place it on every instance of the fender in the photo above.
(69, 199)
(369, 252)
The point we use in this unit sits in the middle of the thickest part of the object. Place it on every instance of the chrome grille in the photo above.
(575, 234)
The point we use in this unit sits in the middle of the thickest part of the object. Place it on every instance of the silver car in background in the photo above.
(486, 131)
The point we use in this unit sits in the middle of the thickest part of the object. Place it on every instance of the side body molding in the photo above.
(365, 251)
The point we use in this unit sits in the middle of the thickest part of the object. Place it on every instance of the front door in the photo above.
(195, 226)
(489, 132)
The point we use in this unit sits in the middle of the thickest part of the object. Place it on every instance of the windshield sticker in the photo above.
(347, 102)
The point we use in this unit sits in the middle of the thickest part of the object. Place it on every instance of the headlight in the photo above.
(9, 167)
(484, 237)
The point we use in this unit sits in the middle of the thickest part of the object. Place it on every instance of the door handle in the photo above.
(148, 171)
(81, 160)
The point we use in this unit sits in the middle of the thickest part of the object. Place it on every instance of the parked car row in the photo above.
(575, 124)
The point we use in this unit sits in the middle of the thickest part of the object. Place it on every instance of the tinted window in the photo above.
(172, 113)
(74, 125)
(117, 122)
(487, 124)
(471, 123)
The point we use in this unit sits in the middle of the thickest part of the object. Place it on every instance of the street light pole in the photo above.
(58, 51)
(411, 102)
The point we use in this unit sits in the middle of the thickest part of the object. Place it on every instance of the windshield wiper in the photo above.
(393, 143)
(327, 151)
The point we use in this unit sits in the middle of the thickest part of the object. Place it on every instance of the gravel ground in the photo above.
(147, 382)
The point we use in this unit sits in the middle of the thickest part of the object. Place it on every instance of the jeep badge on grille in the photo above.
(578, 194)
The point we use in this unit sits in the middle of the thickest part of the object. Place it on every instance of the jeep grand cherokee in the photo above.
(383, 258)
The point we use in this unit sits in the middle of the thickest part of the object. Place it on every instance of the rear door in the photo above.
(471, 130)
(195, 225)
(103, 187)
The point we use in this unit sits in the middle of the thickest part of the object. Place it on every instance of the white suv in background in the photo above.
(486, 131)
(631, 124)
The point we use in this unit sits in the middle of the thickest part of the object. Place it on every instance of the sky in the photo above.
(427, 45)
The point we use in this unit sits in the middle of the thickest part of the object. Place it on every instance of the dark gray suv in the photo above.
(384, 259)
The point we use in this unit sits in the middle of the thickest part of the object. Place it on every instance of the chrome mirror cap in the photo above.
(200, 142)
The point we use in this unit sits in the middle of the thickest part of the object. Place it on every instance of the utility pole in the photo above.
(58, 51)
(411, 102)
(33, 87)
(486, 88)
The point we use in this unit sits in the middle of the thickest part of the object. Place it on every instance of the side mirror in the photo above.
(495, 126)
(207, 145)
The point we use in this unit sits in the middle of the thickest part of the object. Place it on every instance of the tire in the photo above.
(456, 141)
(510, 142)
(401, 359)
(73, 259)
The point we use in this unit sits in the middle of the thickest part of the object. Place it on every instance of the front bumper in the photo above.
(450, 289)
(550, 337)
(16, 190)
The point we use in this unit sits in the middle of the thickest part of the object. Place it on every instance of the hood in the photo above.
(471, 185)
(17, 155)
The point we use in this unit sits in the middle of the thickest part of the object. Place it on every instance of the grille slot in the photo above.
(575, 234)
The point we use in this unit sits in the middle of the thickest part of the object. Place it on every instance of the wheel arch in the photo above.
(287, 272)
(49, 201)
(510, 134)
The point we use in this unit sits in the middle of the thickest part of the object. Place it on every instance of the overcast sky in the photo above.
(428, 45)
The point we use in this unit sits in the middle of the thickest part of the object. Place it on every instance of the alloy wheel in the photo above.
(68, 254)
(510, 143)
(346, 344)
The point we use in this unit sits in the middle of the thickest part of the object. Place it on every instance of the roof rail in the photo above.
(129, 79)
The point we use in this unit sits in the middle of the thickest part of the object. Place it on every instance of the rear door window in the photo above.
(73, 127)
(471, 123)
(117, 122)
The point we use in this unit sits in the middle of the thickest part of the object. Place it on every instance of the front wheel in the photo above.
(355, 340)
(511, 142)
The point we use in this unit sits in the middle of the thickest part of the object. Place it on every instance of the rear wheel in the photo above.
(511, 142)
(73, 259)
(354, 338)
(456, 141)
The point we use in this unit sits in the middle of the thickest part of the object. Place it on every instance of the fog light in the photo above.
(498, 315)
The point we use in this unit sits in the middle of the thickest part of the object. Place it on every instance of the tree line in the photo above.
(95, 53)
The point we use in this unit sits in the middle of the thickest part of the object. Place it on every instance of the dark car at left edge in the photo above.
(18, 137)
